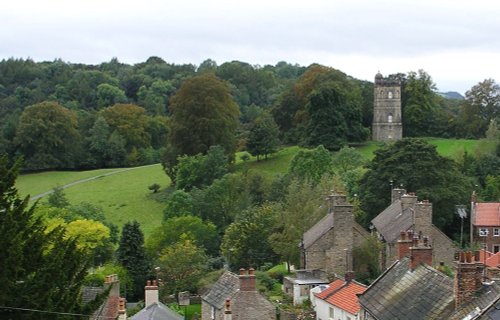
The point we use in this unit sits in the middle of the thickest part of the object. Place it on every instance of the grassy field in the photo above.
(123, 196)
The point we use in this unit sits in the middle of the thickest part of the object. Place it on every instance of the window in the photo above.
(212, 316)
(389, 118)
(483, 232)
(496, 248)
(331, 313)
(389, 95)
(496, 232)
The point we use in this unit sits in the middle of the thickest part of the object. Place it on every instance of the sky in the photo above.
(456, 42)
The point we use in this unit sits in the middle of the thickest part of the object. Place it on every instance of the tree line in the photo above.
(60, 115)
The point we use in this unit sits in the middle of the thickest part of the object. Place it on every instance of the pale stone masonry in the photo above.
(407, 213)
(387, 124)
(328, 245)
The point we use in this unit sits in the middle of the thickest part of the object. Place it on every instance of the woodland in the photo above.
(205, 124)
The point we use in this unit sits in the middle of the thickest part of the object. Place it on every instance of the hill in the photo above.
(123, 193)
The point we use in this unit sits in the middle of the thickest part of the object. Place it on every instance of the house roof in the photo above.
(390, 222)
(485, 302)
(487, 214)
(318, 230)
(400, 293)
(343, 295)
(225, 287)
(157, 311)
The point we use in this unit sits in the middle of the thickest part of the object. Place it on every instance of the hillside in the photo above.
(124, 195)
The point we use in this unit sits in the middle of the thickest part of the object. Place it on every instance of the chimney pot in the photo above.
(415, 241)
(251, 271)
(242, 271)
(148, 283)
(426, 241)
(402, 235)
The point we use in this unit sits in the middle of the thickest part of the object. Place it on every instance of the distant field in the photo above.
(123, 196)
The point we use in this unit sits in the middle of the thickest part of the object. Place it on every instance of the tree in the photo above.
(154, 187)
(46, 136)
(416, 165)
(132, 256)
(263, 138)
(482, 104)
(334, 118)
(180, 203)
(108, 95)
(39, 268)
(202, 233)
(200, 170)
(181, 267)
(130, 121)
(302, 207)
(245, 241)
(311, 165)
(203, 114)
(58, 198)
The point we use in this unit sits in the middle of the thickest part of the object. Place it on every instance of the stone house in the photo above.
(485, 224)
(327, 246)
(412, 289)
(406, 213)
(338, 300)
(237, 296)
(153, 308)
(114, 306)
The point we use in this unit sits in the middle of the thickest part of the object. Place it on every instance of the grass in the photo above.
(36, 183)
(123, 196)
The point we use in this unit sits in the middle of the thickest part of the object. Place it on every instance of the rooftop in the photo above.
(225, 287)
(392, 220)
(400, 293)
(487, 214)
(343, 295)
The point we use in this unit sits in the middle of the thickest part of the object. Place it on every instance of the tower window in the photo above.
(389, 118)
(389, 95)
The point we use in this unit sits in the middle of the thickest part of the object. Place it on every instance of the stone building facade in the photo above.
(407, 213)
(387, 123)
(328, 245)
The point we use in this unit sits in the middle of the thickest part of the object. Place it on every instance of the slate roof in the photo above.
(157, 311)
(400, 293)
(318, 230)
(390, 222)
(90, 293)
(227, 285)
(487, 214)
(484, 302)
(343, 295)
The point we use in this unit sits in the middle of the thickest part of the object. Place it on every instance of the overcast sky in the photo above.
(456, 42)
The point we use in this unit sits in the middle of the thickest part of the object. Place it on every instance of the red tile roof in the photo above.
(487, 214)
(493, 261)
(343, 295)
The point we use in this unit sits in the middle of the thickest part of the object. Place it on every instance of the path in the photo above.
(38, 196)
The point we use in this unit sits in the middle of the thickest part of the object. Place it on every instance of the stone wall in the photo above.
(443, 249)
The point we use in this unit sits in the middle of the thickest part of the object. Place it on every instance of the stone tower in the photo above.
(387, 125)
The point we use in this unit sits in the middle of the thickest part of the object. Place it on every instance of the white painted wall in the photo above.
(323, 312)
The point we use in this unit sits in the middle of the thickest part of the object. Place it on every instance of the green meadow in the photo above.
(123, 194)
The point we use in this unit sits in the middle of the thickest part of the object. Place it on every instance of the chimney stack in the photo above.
(228, 314)
(468, 277)
(404, 244)
(151, 293)
(408, 201)
(420, 252)
(396, 194)
(122, 311)
(247, 280)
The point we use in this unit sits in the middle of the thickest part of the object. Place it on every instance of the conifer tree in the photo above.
(132, 256)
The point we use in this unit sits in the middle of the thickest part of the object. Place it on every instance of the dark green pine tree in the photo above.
(132, 256)
(263, 139)
(38, 269)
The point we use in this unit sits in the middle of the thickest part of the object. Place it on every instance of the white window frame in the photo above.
(483, 232)
(496, 232)
(331, 313)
